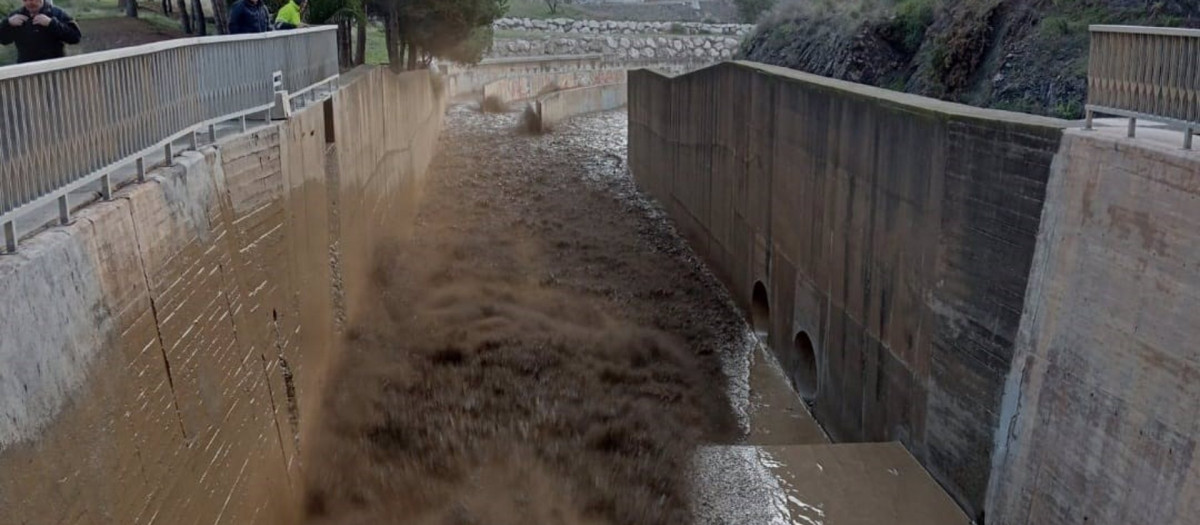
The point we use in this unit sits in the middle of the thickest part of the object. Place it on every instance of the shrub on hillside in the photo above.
(751, 11)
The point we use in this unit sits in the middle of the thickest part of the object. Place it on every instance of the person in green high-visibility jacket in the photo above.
(289, 15)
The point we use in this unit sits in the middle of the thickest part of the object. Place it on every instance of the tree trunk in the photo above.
(361, 57)
(166, 7)
(412, 56)
(131, 8)
(198, 12)
(221, 16)
(185, 21)
(345, 58)
(392, 35)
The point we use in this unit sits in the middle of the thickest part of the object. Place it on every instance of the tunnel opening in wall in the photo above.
(804, 377)
(760, 312)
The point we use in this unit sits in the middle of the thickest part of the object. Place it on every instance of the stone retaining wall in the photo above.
(611, 27)
(669, 47)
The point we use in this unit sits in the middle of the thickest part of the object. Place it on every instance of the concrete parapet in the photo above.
(471, 79)
(525, 87)
(159, 353)
(553, 108)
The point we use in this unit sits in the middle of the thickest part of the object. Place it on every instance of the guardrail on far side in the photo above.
(1146, 72)
(70, 122)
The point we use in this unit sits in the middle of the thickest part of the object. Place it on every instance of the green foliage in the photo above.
(1068, 110)
(471, 50)
(331, 11)
(912, 20)
(458, 30)
(750, 11)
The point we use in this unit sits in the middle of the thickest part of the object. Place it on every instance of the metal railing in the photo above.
(70, 122)
(1147, 72)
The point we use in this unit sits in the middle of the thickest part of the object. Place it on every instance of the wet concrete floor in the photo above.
(786, 471)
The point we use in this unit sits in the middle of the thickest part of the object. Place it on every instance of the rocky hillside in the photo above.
(1021, 55)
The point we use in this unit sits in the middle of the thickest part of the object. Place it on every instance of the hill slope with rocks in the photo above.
(1021, 55)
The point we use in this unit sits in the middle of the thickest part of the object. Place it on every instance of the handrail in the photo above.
(68, 122)
(1145, 72)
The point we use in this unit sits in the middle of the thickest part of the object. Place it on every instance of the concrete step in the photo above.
(784, 470)
(842, 484)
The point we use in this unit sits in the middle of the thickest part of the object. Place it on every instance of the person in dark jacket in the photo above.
(248, 16)
(39, 30)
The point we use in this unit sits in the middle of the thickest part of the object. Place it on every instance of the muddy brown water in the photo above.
(545, 349)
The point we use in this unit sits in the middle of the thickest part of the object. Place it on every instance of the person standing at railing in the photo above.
(289, 15)
(39, 30)
(249, 16)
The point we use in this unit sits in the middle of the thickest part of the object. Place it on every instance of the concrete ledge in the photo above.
(525, 87)
(553, 108)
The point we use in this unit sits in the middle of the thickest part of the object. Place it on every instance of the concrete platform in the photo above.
(784, 470)
(845, 484)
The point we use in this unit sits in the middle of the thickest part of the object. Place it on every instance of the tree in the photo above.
(361, 56)
(221, 16)
(342, 13)
(553, 5)
(418, 30)
(130, 7)
(184, 20)
(198, 11)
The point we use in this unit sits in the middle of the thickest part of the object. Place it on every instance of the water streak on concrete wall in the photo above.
(896, 232)
(170, 340)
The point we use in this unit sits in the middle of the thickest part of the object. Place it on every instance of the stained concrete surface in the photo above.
(157, 353)
(1102, 409)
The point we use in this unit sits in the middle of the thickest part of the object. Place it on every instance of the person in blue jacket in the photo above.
(249, 16)
(39, 30)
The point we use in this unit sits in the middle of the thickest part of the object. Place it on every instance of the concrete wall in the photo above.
(467, 80)
(553, 108)
(168, 342)
(895, 232)
(526, 87)
(1104, 400)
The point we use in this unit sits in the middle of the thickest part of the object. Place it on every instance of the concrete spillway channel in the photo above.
(548, 310)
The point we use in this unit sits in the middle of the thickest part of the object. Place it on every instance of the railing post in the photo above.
(64, 210)
(212, 133)
(1091, 115)
(242, 119)
(106, 186)
(10, 237)
(141, 169)
(1132, 127)
(170, 155)
(1187, 137)
(195, 138)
